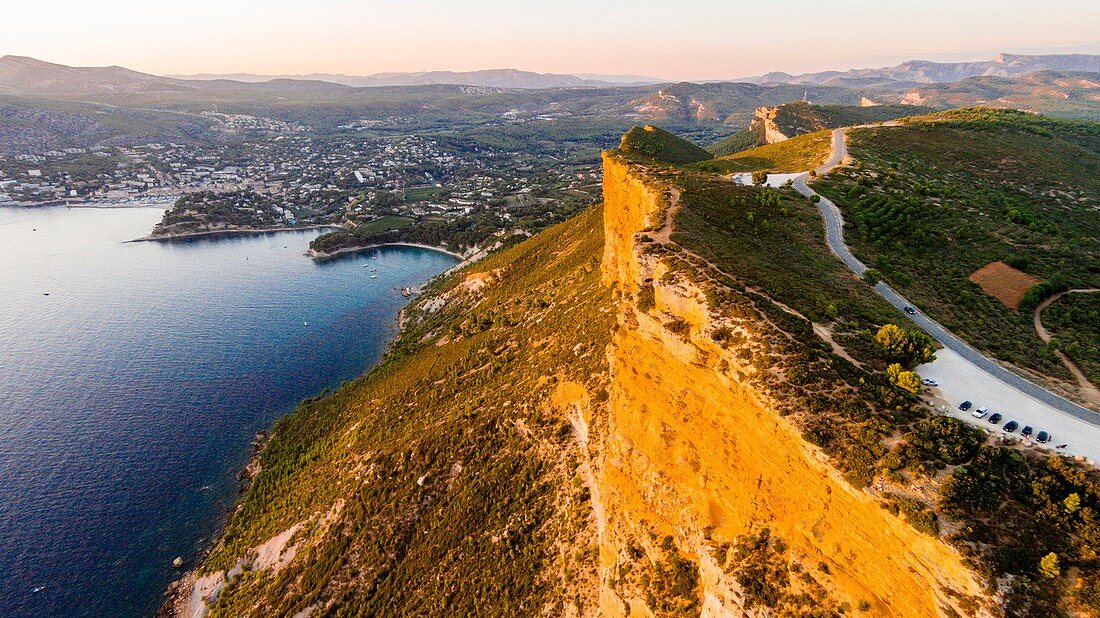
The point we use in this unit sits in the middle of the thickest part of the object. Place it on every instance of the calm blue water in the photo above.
(129, 396)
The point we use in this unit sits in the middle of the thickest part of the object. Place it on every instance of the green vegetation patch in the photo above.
(656, 145)
(456, 234)
(742, 140)
(797, 154)
(932, 201)
(1020, 508)
(419, 194)
(1073, 322)
(384, 224)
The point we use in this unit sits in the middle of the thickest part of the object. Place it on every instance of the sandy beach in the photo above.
(317, 255)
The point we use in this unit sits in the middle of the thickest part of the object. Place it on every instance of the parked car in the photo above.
(1010, 426)
(980, 412)
(910, 310)
(1042, 437)
(1026, 431)
(995, 418)
(929, 382)
(964, 406)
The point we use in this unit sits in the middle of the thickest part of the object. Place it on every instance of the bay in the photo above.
(133, 377)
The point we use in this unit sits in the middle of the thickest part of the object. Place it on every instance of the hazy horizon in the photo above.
(712, 41)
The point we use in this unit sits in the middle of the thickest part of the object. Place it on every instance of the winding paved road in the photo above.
(834, 234)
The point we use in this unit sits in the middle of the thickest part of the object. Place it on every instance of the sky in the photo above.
(673, 39)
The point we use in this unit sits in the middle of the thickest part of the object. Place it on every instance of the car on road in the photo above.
(1042, 437)
(910, 310)
(964, 406)
(929, 382)
(995, 418)
(1026, 431)
(980, 412)
(1010, 426)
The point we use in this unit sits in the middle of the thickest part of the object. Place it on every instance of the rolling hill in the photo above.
(28, 77)
(659, 146)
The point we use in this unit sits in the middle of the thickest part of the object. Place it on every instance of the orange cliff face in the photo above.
(638, 204)
(692, 454)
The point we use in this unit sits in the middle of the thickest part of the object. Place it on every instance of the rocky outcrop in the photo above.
(764, 118)
(698, 470)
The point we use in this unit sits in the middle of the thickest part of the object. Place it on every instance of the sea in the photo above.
(134, 377)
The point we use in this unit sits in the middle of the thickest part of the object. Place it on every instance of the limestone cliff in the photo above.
(764, 118)
(558, 431)
(697, 464)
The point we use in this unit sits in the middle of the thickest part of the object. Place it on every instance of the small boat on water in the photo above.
(305, 323)
(406, 292)
(37, 589)
(374, 276)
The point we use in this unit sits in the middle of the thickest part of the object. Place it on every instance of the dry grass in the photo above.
(1004, 282)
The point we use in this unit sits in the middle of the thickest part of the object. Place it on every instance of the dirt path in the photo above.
(664, 235)
(1088, 389)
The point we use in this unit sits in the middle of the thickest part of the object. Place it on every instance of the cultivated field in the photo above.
(1004, 282)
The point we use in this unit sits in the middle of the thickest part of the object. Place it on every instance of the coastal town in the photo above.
(270, 174)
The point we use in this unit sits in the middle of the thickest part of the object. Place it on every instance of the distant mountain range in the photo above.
(22, 76)
(926, 72)
(491, 78)
(44, 104)
(1071, 94)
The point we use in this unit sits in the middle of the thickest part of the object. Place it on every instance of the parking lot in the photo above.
(960, 380)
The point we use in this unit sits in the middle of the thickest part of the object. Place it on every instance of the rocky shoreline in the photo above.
(183, 597)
